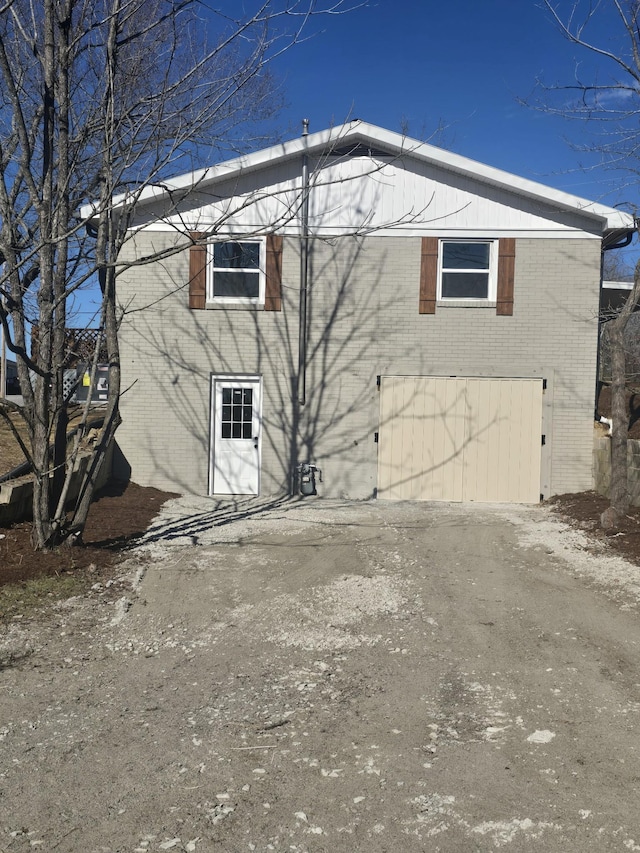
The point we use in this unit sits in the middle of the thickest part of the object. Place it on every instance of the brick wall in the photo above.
(363, 322)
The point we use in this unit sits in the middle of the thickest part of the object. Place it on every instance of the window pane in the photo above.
(240, 284)
(465, 256)
(234, 255)
(237, 413)
(465, 285)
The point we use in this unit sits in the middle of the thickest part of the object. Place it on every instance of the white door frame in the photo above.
(221, 481)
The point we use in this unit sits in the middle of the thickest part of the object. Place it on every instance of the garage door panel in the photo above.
(444, 437)
(396, 440)
(457, 439)
(415, 430)
(493, 448)
(422, 432)
(476, 465)
(411, 484)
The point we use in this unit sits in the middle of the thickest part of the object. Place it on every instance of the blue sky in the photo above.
(421, 63)
(465, 65)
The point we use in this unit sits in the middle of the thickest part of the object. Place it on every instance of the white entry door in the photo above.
(235, 435)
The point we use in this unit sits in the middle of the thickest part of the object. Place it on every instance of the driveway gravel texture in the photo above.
(331, 676)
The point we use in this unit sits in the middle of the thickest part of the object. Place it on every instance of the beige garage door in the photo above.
(459, 439)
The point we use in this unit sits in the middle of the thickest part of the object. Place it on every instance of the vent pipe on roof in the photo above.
(304, 273)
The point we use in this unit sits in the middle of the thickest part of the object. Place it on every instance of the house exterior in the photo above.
(419, 325)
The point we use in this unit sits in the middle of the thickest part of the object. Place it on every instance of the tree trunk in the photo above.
(619, 488)
(98, 101)
(619, 485)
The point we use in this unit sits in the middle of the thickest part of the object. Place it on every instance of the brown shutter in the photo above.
(273, 269)
(428, 275)
(197, 273)
(506, 271)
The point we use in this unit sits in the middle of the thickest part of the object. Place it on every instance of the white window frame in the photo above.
(492, 285)
(261, 273)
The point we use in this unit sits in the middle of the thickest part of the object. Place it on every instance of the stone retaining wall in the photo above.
(602, 468)
(16, 495)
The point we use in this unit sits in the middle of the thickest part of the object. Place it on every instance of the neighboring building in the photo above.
(612, 297)
(451, 325)
(13, 386)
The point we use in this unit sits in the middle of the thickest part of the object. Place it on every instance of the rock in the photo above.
(610, 519)
(541, 736)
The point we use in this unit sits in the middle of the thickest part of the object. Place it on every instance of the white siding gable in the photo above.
(366, 195)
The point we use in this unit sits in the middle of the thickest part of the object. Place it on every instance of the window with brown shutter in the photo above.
(467, 273)
(236, 272)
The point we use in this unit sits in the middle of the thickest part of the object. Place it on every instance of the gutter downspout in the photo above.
(304, 273)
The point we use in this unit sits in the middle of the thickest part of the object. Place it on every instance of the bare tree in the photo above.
(608, 103)
(615, 268)
(102, 99)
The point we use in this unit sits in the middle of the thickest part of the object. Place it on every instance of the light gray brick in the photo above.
(170, 352)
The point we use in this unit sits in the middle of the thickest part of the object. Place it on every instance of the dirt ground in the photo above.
(120, 514)
(123, 511)
(328, 677)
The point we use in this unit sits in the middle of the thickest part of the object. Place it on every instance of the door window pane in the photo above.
(237, 413)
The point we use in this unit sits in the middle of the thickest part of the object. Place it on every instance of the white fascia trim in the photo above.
(397, 145)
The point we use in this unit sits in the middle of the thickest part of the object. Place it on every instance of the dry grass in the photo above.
(18, 600)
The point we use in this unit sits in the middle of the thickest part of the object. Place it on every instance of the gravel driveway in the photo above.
(331, 676)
